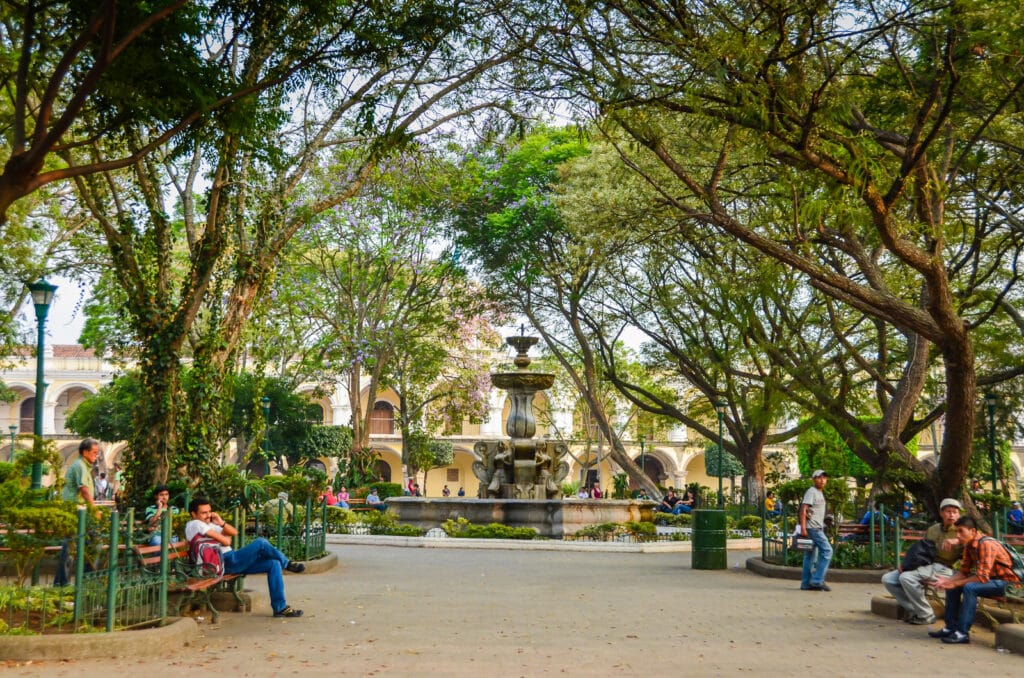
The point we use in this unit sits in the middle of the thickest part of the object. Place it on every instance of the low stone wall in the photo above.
(66, 646)
(554, 518)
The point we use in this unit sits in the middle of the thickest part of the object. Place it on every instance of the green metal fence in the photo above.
(300, 538)
(110, 590)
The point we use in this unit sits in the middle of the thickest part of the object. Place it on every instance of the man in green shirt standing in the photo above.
(78, 488)
(78, 484)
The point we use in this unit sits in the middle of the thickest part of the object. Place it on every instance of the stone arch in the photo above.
(323, 402)
(390, 464)
(659, 465)
(12, 410)
(66, 400)
(461, 469)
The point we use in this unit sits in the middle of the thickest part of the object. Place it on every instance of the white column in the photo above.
(341, 410)
(49, 416)
(492, 425)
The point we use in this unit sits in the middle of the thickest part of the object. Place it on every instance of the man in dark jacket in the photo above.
(907, 585)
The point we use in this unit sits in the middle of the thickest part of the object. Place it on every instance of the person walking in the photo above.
(812, 524)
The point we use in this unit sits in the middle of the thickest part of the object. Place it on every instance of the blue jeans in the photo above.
(680, 508)
(962, 603)
(260, 556)
(816, 577)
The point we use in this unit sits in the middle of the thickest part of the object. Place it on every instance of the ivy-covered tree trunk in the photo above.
(155, 443)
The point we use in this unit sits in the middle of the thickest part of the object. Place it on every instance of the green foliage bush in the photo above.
(462, 528)
(752, 523)
(682, 520)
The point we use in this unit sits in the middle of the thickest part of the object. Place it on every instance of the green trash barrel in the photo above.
(709, 540)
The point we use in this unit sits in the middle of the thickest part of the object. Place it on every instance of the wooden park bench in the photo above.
(184, 578)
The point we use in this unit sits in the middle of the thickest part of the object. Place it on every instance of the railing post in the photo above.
(785, 536)
(309, 535)
(871, 533)
(165, 537)
(280, 524)
(882, 559)
(764, 533)
(239, 529)
(115, 533)
(79, 563)
(898, 544)
(129, 535)
(243, 518)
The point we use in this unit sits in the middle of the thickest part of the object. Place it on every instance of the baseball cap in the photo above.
(819, 473)
(1016, 503)
(950, 502)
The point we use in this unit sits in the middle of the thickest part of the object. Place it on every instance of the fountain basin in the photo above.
(534, 381)
(553, 518)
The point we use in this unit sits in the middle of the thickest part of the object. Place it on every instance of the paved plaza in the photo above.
(453, 612)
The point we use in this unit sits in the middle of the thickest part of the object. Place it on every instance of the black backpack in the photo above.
(919, 554)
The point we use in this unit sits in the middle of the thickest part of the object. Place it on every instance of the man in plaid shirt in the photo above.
(992, 569)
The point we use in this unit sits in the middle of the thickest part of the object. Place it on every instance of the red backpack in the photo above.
(204, 552)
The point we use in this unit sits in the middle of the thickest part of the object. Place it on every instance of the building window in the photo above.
(453, 475)
(382, 420)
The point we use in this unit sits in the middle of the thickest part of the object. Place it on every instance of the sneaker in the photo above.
(819, 587)
(292, 566)
(956, 638)
(288, 611)
(921, 621)
(942, 633)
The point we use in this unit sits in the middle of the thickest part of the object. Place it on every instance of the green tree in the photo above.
(109, 414)
(425, 453)
(257, 174)
(819, 446)
(505, 217)
(885, 199)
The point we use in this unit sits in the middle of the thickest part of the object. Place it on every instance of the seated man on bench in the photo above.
(253, 558)
(907, 585)
(984, 572)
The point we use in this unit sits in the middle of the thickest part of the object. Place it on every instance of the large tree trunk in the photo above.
(155, 443)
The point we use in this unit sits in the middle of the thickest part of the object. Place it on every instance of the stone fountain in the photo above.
(520, 478)
(521, 468)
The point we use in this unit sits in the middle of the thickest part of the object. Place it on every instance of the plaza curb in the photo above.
(65, 646)
(1011, 637)
(317, 566)
(532, 545)
(758, 566)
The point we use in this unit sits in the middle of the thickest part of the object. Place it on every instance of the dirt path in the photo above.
(394, 611)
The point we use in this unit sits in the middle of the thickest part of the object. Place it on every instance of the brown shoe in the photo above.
(288, 611)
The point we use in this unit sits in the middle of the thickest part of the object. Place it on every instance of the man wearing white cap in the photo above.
(812, 524)
(907, 586)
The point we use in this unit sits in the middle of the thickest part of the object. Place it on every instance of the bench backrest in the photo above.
(150, 555)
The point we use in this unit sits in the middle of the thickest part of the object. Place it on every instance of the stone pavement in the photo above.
(398, 611)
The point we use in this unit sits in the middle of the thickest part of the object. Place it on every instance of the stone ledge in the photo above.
(328, 562)
(178, 633)
(1011, 637)
(884, 606)
(764, 569)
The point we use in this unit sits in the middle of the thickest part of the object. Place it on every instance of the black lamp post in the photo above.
(990, 402)
(14, 431)
(720, 411)
(265, 401)
(42, 297)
